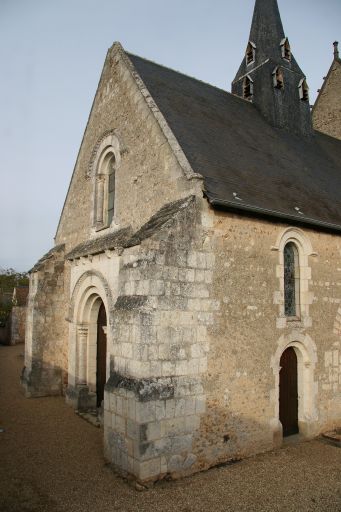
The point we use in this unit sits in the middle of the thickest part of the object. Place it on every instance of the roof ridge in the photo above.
(157, 113)
(183, 74)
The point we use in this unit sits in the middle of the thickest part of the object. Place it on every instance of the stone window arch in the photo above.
(104, 164)
(90, 291)
(306, 352)
(105, 190)
(293, 243)
(291, 271)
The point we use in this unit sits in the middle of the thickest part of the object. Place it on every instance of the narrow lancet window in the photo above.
(286, 50)
(250, 53)
(111, 191)
(303, 90)
(291, 281)
(248, 88)
(105, 191)
(278, 79)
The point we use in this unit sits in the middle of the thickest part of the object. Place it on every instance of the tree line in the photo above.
(9, 279)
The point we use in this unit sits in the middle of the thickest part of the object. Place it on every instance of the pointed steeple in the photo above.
(266, 29)
(269, 75)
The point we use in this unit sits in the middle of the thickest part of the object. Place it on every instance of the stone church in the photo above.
(193, 296)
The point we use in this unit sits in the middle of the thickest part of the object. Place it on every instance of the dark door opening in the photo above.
(288, 395)
(101, 354)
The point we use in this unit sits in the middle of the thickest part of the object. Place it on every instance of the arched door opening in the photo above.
(101, 355)
(288, 392)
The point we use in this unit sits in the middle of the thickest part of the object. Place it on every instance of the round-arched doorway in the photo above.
(288, 392)
(89, 341)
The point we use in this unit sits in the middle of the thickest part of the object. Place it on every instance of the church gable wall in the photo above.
(148, 174)
(327, 109)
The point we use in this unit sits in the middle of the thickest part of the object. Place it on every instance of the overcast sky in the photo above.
(52, 53)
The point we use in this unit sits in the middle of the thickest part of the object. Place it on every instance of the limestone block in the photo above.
(170, 408)
(153, 431)
(133, 430)
(145, 412)
(200, 404)
(175, 463)
(168, 368)
(192, 423)
(149, 469)
(131, 408)
(160, 410)
(173, 427)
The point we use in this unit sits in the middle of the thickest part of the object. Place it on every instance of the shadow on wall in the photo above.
(188, 440)
(42, 379)
(225, 437)
(5, 333)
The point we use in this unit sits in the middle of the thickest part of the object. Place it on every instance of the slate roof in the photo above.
(267, 32)
(125, 237)
(40, 263)
(246, 163)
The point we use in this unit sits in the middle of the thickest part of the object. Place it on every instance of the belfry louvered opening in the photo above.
(248, 88)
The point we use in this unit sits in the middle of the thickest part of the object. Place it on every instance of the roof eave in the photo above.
(255, 210)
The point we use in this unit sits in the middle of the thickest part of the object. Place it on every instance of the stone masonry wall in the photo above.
(155, 398)
(18, 322)
(46, 328)
(197, 328)
(327, 109)
(149, 174)
(248, 332)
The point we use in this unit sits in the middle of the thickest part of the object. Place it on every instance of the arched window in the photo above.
(105, 190)
(248, 88)
(291, 281)
(250, 53)
(111, 190)
(103, 170)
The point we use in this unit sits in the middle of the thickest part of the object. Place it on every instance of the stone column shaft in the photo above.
(82, 342)
(99, 199)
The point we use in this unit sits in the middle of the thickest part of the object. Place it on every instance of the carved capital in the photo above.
(82, 331)
(100, 177)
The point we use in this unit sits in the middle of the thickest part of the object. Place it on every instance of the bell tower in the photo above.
(269, 75)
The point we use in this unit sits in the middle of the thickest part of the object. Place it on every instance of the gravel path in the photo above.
(51, 461)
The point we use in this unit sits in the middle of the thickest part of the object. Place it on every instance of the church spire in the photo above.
(266, 29)
(269, 75)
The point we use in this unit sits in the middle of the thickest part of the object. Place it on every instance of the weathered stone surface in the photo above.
(18, 322)
(194, 302)
(46, 327)
(326, 111)
(144, 389)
